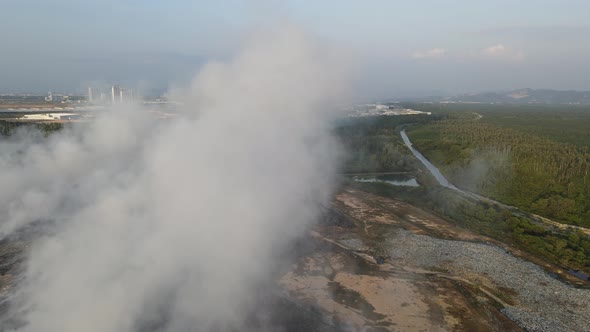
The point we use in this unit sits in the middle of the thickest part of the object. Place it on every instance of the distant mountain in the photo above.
(521, 96)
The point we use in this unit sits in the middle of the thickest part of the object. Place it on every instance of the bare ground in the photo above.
(400, 268)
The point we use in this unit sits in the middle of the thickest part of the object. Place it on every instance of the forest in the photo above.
(8, 128)
(372, 144)
(480, 149)
(537, 169)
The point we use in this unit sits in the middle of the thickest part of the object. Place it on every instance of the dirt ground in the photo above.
(348, 276)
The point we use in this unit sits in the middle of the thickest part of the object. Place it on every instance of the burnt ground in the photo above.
(400, 268)
(351, 277)
(376, 264)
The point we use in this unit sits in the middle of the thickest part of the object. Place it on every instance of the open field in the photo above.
(399, 268)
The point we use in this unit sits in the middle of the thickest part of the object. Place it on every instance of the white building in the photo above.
(56, 98)
(115, 93)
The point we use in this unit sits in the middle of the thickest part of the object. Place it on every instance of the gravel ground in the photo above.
(544, 303)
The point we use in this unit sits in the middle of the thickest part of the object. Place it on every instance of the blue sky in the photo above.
(402, 47)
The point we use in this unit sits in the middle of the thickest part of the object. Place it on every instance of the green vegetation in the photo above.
(559, 123)
(374, 146)
(520, 155)
(8, 128)
(48, 128)
(494, 158)
(565, 248)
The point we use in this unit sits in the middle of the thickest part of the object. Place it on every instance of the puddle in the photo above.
(393, 179)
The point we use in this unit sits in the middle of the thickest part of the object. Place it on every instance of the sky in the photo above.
(399, 48)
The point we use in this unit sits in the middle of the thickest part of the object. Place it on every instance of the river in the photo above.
(435, 171)
(445, 183)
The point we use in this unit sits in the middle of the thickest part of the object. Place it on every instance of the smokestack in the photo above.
(90, 97)
(121, 95)
(147, 235)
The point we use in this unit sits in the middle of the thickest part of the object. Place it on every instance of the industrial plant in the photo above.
(115, 95)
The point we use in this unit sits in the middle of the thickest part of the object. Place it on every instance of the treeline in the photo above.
(373, 145)
(569, 248)
(560, 123)
(7, 128)
(515, 167)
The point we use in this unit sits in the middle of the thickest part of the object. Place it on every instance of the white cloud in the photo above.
(499, 51)
(434, 53)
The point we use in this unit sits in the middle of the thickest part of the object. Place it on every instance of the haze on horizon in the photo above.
(398, 48)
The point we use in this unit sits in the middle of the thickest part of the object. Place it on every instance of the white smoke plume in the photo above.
(169, 225)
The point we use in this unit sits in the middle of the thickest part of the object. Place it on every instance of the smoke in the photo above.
(171, 225)
(483, 169)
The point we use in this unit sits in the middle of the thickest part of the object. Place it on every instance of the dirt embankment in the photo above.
(401, 268)
(352, 275)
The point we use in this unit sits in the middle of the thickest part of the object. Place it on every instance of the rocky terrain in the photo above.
(376, 264)
(400, 268)
(535, 300)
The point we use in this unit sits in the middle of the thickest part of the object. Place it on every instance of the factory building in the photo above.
(116, 95)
